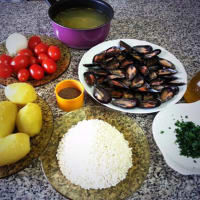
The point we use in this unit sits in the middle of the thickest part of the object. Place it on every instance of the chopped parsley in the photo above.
(188, 138)
(161, 132)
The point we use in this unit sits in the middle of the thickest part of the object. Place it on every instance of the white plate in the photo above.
(88, 56)
(165, 121)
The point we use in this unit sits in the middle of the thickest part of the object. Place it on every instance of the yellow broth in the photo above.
(81, 18)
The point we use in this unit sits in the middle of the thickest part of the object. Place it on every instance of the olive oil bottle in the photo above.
(192, 93)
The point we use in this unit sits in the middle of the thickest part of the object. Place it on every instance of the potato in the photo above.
(8, 113)
(13, 148)
(20, 93)
(29, 119)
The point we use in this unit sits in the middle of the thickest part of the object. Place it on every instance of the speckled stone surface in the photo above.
(174, 25)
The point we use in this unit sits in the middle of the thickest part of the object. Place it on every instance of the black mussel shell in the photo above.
(137, 82)
(152, 54)
(117, 83)
(158, 81)
(144, 70)
(143, 49)
(125, 103)
(167, 71)
(125, 63)
(117, 94)
(99, 72)
(112, 51)
(166, 63)
(167, 94)
(89, 78)
(102, 95)
(149, 103)
(99, 58)
(131, 72)
(118, 72)
(127, 47)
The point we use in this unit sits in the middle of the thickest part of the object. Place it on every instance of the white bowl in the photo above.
(164, 121)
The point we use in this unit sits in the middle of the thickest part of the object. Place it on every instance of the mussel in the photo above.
(125, 103)
(131, 72)
(152, 103)
(166, 63)
(143, 49)
(102, 95)
(89, 78)
(152, 54)
(166, 94)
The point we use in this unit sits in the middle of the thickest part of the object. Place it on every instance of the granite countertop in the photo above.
(174, 25)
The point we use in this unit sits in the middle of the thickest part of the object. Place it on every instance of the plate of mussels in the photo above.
(132, 76)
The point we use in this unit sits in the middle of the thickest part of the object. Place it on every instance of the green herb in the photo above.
(188, 138)
(161, 132)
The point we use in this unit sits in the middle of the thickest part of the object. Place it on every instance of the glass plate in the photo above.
(182, 76)
(126, 125)
(38, 142)
(62, 63)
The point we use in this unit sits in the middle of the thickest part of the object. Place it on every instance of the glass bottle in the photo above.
(192, 93)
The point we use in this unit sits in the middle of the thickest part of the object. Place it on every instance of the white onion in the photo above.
(15, 42)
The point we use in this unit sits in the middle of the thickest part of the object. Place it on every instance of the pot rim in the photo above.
(89, 29)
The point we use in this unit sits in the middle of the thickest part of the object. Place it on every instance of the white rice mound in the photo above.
(94, 155)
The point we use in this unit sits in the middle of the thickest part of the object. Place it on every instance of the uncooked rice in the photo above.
(94, 155)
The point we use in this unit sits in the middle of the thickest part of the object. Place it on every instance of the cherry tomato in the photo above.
(49, 66)
(5, 59)
(33, 42)
(42, 56)
(36, 71)
(41, 48)
(54, 52)
(19, 62)
(5, 71)
(33, 60)
(26, 52)
(23, 75)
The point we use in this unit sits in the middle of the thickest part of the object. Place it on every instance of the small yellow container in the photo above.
(69, 104)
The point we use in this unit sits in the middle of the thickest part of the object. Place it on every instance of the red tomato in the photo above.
(33, 42)
(41, 48)
(5, 59)
(42, 56)
(33, 60)
(54, 52)
(36, 71)
(19, 62)
(5, 71)
(49, 66)
(23, 75)
(26, 52)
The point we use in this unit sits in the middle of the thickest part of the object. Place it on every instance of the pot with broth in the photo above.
(80, 24)
(81, 18)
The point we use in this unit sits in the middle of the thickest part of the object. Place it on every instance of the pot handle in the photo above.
(51, 2)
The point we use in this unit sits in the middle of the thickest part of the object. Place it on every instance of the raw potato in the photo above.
(20, 93)
(13, 148)
(29, 119)
(8, 114)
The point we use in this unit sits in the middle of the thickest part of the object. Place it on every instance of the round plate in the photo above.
(38, 142)
(164, 135)
(62, 64)
(88, 56)
(132, 132)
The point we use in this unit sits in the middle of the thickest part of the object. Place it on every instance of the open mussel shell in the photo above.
(99, 58)
(126, 46)
(166, 63)
(152, 54)
(167, 94)
(131, 72)
(125, 103)
(150, 103)
(89, 78)
(143, 49)
(101, 94)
